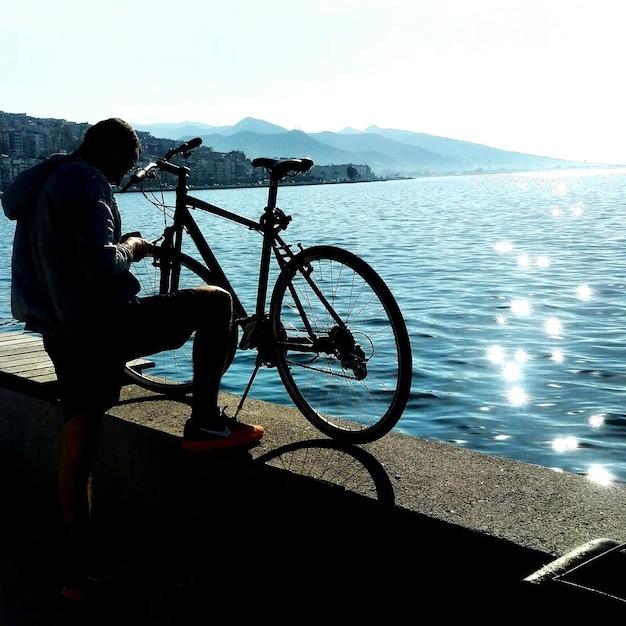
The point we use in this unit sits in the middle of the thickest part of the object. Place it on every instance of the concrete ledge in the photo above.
(301, 520)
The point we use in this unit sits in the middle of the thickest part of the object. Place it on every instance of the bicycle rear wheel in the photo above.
(343, 350)
(170, 371)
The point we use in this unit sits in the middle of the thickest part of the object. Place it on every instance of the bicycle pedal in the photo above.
(247, 339)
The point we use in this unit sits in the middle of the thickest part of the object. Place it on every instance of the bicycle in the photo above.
(332, 328)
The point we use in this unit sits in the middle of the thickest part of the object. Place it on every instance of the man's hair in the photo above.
(112, 133)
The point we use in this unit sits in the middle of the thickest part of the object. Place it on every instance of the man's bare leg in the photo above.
(210, 347)
(208, 428)
(78, 449)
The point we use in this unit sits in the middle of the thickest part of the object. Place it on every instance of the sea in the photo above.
(512, 286)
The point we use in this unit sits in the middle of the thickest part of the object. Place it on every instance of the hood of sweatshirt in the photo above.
(23, 192)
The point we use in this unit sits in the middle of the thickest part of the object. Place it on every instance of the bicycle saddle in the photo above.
(279, 169)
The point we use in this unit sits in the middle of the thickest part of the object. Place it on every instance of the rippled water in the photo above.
(513, 290)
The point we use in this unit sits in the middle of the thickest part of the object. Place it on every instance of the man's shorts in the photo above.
(90, 368)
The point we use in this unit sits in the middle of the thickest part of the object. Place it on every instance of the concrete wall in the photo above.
(398, 514)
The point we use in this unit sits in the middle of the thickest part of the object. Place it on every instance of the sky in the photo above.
(543, 77)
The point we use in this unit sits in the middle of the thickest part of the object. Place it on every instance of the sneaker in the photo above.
(80, 587)
(223, 432)
(74, 591)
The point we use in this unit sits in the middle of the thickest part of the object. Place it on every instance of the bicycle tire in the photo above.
(351, 406)
(170, 372)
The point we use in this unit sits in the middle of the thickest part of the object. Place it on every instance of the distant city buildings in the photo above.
(25, 141)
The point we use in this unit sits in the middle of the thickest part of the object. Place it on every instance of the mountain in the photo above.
(388, 152)
(194, 129)
(174, 131)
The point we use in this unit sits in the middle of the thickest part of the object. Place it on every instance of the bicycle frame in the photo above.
(272, 221)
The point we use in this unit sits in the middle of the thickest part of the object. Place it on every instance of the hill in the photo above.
(389, 152)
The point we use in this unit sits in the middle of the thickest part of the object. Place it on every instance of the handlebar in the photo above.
(162, 164)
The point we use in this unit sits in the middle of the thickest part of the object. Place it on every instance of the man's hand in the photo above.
(140, 247)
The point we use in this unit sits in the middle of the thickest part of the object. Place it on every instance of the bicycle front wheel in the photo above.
(342, 346)
(170, 371)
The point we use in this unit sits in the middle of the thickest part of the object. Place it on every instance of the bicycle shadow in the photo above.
(298, 508)
(331, 463)
(346, 466)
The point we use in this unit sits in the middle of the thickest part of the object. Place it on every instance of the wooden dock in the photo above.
(25, 365)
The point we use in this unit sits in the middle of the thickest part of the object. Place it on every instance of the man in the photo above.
(71, 282)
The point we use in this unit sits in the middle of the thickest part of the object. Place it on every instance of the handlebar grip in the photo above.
(193, 143)
(137, 177)
(184, 148)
